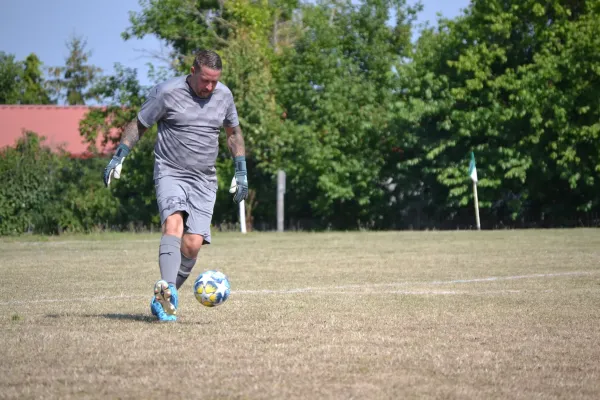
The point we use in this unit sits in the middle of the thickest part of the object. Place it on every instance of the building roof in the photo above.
(59, 124)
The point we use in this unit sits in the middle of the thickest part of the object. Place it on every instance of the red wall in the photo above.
(59, 124)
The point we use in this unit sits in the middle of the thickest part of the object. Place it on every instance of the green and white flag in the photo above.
(472, 168)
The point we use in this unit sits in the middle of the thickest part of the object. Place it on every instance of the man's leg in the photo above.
(172, 203)
(169, 254)
(169, 259)
(201, 201)
(190, 246)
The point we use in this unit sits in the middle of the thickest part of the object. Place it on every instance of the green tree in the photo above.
(22, 82)
(74, 79)
(47, 192)
(258, 31)
(183, 24)
(35, 89)
(81, 203)
(11, 72)
(336, 92)
(513, 81)
(28, 172)
(311, 94)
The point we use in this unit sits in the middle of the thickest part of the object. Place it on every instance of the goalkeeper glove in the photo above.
(239, 183)
(113, 169)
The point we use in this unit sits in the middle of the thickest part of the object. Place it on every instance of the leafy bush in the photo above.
(45, 192)
(29, 174)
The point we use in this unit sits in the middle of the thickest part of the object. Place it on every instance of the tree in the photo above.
(336, 92)
(11, 72)
(22, 82)
(47, 192)
(184, 25)
(513, 81)
(75, 78)
(311, 95)
(35, 89)
(29, 172)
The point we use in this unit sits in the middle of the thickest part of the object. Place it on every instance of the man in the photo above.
(189, 110)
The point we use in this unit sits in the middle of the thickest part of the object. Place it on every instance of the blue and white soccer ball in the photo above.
(212, 288)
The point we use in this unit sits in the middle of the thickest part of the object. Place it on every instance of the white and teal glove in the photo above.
(113, 169)
(239, 183)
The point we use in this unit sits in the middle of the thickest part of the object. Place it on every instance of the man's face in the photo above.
(204, 80)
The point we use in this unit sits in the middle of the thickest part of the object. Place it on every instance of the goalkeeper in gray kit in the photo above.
(190, 111)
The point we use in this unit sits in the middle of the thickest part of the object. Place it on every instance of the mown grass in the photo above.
(505, 314)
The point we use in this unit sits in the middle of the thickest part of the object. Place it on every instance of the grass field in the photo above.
(452, 315)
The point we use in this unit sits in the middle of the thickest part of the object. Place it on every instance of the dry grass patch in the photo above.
(510, 314)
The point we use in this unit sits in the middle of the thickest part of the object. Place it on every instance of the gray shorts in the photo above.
(194, 197)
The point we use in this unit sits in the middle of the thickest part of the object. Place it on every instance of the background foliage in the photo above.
(372, 128)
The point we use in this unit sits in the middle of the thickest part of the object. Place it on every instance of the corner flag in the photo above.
(473, 175)
(473, 168)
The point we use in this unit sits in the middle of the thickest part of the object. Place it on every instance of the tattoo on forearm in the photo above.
(235, 142)
(132, 133)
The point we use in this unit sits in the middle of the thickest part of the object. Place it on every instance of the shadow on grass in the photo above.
(130, 317)
(118, 317)
(126, 317)
(147, 318)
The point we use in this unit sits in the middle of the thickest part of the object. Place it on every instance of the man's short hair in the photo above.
(208, 59)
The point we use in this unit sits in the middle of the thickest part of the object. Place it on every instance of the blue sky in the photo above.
(44, 26)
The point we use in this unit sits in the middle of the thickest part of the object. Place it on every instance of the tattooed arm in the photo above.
(235, 141)
(239, 183)
(132, 133)
(152, 111)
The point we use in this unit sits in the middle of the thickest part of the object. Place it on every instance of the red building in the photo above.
(58, 124)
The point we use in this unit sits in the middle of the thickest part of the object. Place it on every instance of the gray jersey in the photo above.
(188, 127)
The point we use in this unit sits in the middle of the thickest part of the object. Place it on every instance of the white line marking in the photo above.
(423, 292)
(508, 278)
(366, 289)
(395, 284)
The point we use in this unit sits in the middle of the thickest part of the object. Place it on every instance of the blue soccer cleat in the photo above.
(160, 313)
(165, 301)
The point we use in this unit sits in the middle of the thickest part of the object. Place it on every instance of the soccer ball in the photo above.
(211, 288)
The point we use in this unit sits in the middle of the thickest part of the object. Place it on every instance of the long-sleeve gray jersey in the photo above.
(188, 127)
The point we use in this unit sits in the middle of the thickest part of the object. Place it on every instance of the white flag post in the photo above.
(242, 206)
(243, 216)
(473, 175)
(280, 198)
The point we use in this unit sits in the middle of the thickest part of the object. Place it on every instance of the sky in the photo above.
(43, 27)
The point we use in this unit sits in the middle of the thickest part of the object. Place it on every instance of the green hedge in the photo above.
(44, 192)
